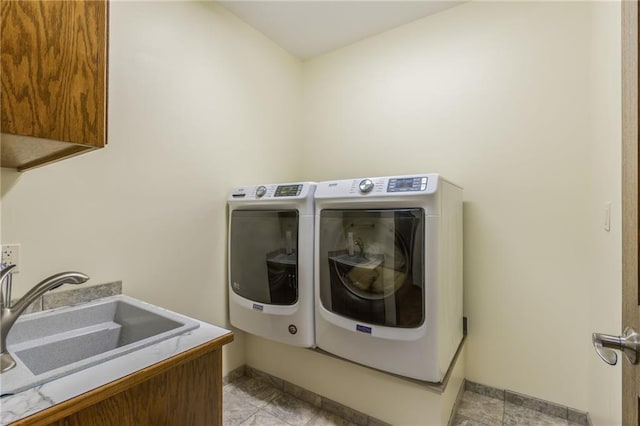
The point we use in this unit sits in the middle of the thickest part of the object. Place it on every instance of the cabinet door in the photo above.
(54, 79)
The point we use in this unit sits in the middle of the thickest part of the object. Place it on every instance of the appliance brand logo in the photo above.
(363, 329)
(258, 307)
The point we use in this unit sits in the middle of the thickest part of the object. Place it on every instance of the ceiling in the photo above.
(307, 28)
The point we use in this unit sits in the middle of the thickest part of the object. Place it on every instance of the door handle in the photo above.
(628, 343)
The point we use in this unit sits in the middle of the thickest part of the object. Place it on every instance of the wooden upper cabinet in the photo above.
(54, 80)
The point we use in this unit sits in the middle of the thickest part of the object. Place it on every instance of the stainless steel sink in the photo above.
(52, 344)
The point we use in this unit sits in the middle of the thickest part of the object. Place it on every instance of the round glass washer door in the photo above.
(375, 260)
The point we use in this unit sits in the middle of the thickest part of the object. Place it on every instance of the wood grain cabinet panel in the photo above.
(185, 390)
(54, 79)
(189, 394)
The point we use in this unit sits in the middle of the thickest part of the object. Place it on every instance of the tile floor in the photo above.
(480, 410)
(249, 401)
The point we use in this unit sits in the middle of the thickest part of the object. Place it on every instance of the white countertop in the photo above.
(31, 401)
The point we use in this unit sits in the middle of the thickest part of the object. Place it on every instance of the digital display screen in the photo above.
(407, 184)
(288, 190)
(404, 183)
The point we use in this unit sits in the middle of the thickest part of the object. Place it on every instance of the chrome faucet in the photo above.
(10, 313)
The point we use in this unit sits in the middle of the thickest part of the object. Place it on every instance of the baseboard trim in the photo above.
(233, 375)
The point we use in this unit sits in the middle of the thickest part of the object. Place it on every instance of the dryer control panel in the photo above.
(273, 191)
(288, 190)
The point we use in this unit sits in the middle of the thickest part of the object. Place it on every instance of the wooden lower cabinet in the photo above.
(189, 394)
(185, 390)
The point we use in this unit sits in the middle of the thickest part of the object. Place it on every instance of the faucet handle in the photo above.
(5, 289)
(5, 270)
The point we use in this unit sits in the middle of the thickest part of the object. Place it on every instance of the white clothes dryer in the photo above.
(388, 273)
(271, 261)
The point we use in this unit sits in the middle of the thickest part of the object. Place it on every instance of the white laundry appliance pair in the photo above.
(371, 269)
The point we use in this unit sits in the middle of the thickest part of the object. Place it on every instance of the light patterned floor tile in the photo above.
(515, 415)
(236, 410)
(254, 391)
(290, 409)
(466, 421)
(262, 418)
(481, 408)
(324, 418)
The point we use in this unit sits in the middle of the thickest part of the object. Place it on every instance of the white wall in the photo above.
(198, 102)
(500, 98)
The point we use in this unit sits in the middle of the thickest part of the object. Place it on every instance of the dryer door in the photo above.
(372, 265)
(263, 255)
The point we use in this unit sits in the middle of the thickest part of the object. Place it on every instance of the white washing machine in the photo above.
(388, 273)
(271, 261)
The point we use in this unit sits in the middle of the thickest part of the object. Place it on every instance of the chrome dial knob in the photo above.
(260, 191)
(366, 185)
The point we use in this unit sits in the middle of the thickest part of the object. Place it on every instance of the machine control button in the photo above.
(366, 185)
(260, 191)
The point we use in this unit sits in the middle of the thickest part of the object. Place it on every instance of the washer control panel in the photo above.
(273, 191)
(406, 184)
(374, 187)
(384, 185)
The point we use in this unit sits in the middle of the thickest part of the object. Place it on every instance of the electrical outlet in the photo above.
(10, 255)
